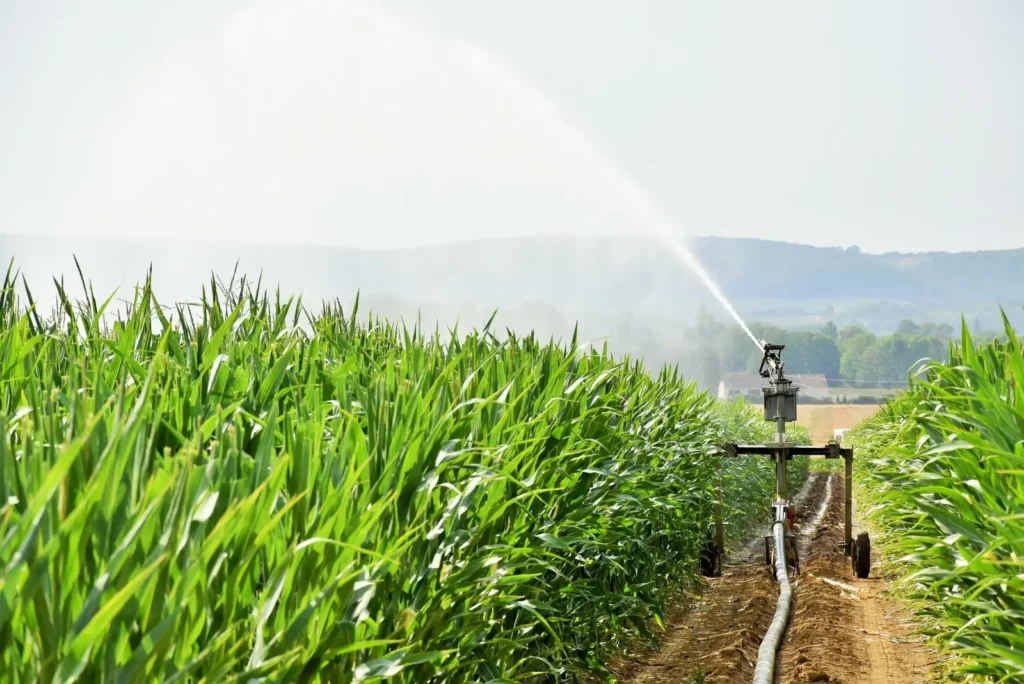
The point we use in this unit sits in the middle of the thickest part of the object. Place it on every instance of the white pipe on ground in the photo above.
(764, 671)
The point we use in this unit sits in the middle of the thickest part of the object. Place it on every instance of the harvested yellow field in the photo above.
(823, 419)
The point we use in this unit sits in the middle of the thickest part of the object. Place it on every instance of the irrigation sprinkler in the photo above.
(780, 407)
(780, 551)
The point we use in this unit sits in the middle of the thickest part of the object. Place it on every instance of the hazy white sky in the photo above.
(892, 126)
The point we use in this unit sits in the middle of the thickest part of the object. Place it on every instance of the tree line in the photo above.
(850, 356)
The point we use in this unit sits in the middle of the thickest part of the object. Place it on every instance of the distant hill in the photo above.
(566, 277)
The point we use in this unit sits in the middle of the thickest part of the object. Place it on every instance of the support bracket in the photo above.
(831, 450)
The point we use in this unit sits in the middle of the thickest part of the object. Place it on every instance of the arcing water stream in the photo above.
(342, 122)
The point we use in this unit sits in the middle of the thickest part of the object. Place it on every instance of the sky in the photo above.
(890, 126)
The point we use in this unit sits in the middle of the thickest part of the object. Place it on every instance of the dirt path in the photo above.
(841, 630)
(717, 640)
(844, 629)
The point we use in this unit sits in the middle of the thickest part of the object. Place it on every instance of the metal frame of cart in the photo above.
(780, 408)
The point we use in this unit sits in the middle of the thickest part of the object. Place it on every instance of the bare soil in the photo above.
(821, 420)
(842, 629)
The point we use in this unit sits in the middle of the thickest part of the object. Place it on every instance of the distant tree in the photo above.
(849, 331)
(706, 324)
(851, 353)
(908, 327)
(709, 372)
(769, 332)
(940, 331)
(889, 359)
(805, 352)
(737, 350)
(811, 353)
(852, 344)
(702, 363)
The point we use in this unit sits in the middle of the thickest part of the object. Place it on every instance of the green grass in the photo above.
(241, 490)
(827, 465)
(696, 677)
(943, 467)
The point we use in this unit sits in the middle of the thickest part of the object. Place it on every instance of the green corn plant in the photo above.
(945, 473)
(240, 489)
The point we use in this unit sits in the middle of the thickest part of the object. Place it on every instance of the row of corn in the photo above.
(238, 490)
(942, 468)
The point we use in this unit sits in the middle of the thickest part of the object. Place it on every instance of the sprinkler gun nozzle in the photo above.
(771, 364)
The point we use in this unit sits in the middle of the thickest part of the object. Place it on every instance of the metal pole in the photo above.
(719, 525)
(780, 462)
(848, 512)
(780, 475)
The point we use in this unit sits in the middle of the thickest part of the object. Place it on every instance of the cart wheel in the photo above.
(711, 565)
(711, 560)
(767, 553)
(862, 556)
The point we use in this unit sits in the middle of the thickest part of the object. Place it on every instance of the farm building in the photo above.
(750, 384)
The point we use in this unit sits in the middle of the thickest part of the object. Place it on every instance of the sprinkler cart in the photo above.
(780, 408)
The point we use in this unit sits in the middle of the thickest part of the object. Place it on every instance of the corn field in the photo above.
(241, 490)
(945, 470)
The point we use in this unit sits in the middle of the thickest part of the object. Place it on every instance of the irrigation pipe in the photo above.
(764, 672)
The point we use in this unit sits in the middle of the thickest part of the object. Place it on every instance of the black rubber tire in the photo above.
(767, 552)
(862, 556)
(716, 570)
(711, 559)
